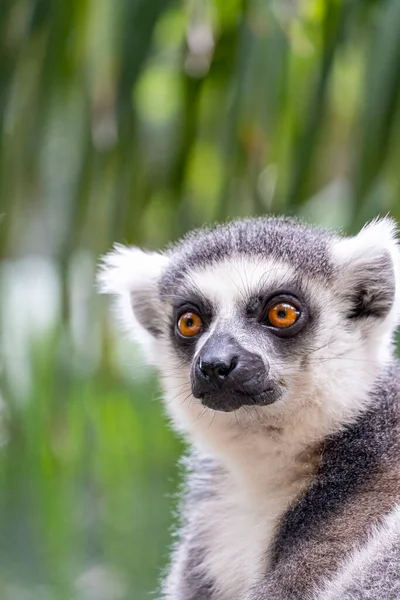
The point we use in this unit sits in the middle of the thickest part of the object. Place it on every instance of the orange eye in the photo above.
(283, 315)
(189, 324)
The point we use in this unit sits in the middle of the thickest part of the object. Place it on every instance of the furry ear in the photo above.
(132, 275)
(369, 270)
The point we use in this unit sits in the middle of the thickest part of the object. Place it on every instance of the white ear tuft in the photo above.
(132, 276)
(129, 269)
(375, 238)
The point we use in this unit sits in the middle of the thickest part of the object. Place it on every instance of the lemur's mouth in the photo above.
(227, 401)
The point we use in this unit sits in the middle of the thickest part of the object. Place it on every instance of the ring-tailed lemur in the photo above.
(274, 344)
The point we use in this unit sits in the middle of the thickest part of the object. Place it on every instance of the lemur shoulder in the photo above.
(273, 340)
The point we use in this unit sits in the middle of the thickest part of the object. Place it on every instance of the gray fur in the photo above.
(259, 237)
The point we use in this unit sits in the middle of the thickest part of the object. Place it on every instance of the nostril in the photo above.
(224, 369)
(234, 362)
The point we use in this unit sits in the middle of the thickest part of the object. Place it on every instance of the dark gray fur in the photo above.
(359, 467)
(261, 237)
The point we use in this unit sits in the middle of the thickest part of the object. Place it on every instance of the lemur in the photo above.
(273, 340)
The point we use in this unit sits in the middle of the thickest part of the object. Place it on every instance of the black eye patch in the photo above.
(290, 296)
(195, 303)
(189, 303)
(258, 302)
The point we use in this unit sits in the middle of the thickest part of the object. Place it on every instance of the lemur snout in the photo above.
(226, 376)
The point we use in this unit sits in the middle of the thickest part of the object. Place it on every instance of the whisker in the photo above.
(200, 415)
(212, 418)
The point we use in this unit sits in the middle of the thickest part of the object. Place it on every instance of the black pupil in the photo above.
(282, 313)
(189, 322)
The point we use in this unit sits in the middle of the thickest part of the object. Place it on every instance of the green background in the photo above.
(134, 121)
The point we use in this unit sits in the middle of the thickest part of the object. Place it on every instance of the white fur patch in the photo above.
(374, 238)
(242, 518)
(229, 281)
(124, 272)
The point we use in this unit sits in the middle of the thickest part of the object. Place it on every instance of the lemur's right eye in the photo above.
(189, 324)
(283, 315)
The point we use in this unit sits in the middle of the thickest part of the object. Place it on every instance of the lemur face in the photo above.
(238, 327)
(260, 313)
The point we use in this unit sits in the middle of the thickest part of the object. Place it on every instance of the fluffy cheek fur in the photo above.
(334, 375)
(175, 381)
(324, 376)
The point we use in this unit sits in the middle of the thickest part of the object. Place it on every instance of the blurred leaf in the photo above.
(382, 94)
(334, 25)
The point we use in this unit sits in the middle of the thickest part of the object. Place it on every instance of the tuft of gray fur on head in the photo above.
(303, 246)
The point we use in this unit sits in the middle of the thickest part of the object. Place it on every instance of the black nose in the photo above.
(226, 376)
(215, 369)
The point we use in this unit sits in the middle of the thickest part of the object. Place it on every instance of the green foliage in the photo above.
(136, 120)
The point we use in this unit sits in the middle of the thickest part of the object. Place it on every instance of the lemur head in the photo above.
(268, 315)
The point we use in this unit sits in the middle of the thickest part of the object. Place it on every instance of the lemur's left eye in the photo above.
(282, 314)
(189, 324)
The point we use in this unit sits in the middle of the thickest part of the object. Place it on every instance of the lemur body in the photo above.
(273, 341)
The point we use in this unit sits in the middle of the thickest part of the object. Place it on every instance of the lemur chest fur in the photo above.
(242, 514)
